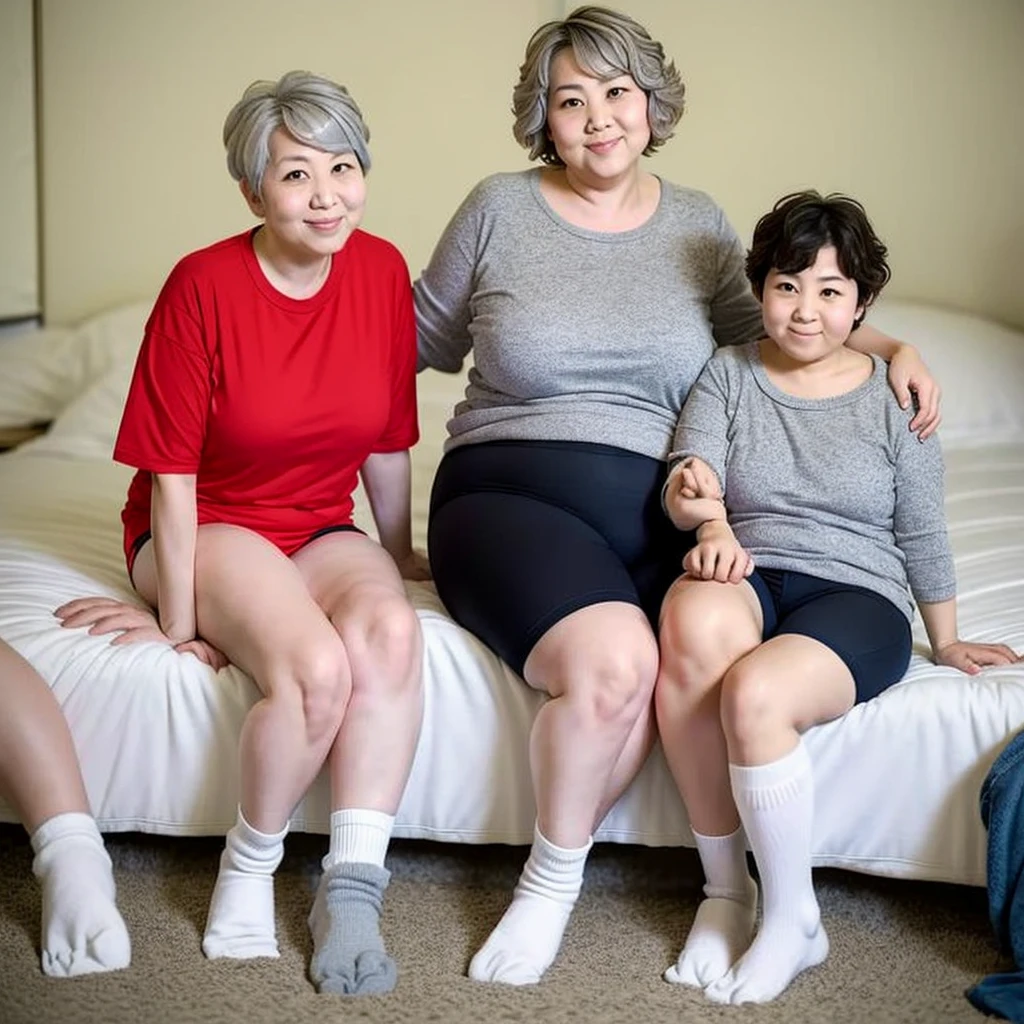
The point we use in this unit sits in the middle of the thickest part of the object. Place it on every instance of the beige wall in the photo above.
(911, 105)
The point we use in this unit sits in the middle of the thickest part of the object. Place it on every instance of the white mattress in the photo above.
(897, 779)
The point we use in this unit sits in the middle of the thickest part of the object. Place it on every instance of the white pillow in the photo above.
(43, 369)
(978, 363)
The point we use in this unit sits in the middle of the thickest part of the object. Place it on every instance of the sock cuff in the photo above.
(60, 826)
(359, 835)
(769, 785)
(560, 854)
(254, 838)
(716, 842)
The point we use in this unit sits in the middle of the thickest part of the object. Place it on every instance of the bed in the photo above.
(897, 779)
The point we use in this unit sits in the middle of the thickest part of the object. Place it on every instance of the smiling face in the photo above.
(599, 127)
(809, 315)
(310, 201)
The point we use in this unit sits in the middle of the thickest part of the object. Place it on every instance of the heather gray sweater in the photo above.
(839, 487)
(579, 335)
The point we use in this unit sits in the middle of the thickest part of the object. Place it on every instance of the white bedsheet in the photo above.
(897, 779)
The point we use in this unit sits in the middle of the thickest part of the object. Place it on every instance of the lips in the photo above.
(602, 147)
(324, 225)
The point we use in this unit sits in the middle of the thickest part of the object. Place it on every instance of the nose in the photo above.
(323, 196)
(804, 309)
(598, 118)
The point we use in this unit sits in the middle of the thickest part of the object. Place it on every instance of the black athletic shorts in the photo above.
(868, 632)
(523, 533)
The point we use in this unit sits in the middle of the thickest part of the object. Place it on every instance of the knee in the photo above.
(620, 682)
(697, 641)
(746, 706)
(384, 642)
(321, 682)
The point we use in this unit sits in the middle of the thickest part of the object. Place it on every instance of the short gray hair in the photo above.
(606, 44)
(313, 109)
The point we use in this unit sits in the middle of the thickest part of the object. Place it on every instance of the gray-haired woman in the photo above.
(592, 294)
(277, 367)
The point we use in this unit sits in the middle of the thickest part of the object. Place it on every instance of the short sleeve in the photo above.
(163, 426)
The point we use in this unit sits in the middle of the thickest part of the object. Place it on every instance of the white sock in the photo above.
(526, 940)
(776, 805)
(359, 837)
(240, 923)
(83, 932)
(724, 925)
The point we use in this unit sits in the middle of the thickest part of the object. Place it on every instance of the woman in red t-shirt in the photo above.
(277, 367)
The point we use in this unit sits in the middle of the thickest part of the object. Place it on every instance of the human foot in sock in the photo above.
(240, 923)
(776, 957)
(721, 932)
(526, 940)
(82, 930)
(348, 952)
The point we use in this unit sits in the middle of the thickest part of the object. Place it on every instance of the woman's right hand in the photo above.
(717, 555)
(134, 624)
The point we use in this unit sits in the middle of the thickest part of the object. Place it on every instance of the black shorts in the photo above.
(523, 533)
(868, 632)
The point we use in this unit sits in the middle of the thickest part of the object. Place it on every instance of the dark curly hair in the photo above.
(789, 237)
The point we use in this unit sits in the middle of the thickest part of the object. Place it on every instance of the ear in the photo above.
(253, 199)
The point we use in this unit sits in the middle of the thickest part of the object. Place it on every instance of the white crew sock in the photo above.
(359, 837)
(724, 925)
(240, 923)
(525, 941)
(83, 932)
(776, 805)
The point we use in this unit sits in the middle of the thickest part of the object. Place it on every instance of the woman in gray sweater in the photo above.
(591, 293)
(795, 603)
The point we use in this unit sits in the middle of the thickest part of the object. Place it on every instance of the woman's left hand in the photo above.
(972, 658)
(911, 380)
(415, 566)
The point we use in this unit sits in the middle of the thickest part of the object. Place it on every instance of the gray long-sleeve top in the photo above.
(838, 488)
(579, 335)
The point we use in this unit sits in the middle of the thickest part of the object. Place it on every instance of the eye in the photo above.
(570, 102)
(785, 286)
(616, 91)
(830, 293)
(295, 175)
(341, 166)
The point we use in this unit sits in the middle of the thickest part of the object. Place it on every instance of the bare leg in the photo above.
(598, 665)
(768, 699)
(705, 627)
(82, 931)
(253, 604)
(358, 586)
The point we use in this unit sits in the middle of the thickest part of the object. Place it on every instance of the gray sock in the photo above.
(348, 952)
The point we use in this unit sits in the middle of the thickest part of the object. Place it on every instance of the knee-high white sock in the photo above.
(359, 837)
(525, 941)
(776, 805)
(83, 932)
(724, 925)
(240, 923)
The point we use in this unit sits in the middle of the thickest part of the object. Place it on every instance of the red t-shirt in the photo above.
(273, 403)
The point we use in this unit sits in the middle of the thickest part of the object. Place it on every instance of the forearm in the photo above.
(939, 620)
(173, 521)
(871, 341)
(387, 477)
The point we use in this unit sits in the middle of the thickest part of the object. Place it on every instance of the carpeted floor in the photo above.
(901, 952)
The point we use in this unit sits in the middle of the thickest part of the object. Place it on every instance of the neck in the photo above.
(294, 276)
(617, 204)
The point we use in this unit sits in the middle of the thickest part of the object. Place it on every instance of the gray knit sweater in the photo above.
(579, 335)
(838, 488)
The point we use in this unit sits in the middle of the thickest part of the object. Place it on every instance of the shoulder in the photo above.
(373, 248)
(691, 203)
(497, 192)
(220, 257)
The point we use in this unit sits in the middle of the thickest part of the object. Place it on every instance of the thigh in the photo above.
(345, 571)
(508, 567)
(251, 601)
(867, 632)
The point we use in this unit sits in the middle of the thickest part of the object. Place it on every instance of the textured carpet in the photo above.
(901, 951)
